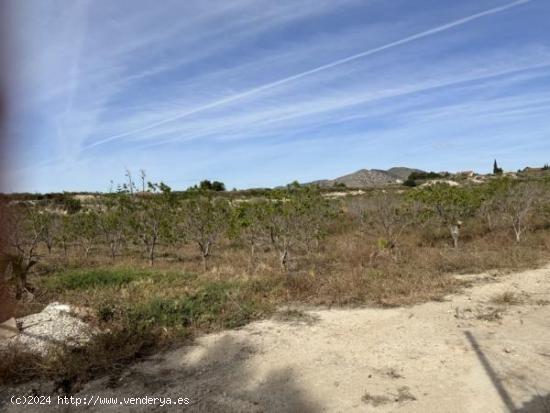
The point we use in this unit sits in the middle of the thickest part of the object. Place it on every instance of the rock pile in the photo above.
(54, 326)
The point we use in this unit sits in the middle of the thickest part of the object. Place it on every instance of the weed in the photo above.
(493, 314)
(296, 316)
(507, 298)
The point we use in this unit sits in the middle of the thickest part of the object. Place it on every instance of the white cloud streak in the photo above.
(310, 72)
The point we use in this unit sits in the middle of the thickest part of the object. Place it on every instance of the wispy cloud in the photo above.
(298, 76)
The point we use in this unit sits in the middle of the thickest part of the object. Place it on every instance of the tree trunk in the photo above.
(65, 251)
(283, 259)
(113, 252)
(252, 256)
(205, 249)
(489, 222)
(20, 271)
(517, 232)
(152, 254)
(455, 233)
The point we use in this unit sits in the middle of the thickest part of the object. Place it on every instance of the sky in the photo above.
(259, 93)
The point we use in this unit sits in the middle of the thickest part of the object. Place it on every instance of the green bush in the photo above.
(424, 175)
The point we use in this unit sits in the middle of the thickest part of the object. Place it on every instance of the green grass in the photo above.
(154, 299)
(213, 305)
(96, 278)
(85, 279)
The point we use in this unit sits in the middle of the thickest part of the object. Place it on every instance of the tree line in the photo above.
(283, 222)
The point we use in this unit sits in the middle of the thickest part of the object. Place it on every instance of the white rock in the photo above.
(54, 326)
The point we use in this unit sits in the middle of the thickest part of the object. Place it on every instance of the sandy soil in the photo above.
(463, 354)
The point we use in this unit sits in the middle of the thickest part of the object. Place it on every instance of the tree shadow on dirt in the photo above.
(221, 379)
(538, 404)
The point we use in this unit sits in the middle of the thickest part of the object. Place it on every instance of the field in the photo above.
(154, 269)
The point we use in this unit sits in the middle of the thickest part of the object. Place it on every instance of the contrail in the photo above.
(318, 69)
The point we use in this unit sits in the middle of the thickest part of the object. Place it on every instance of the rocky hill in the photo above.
(367, 178)
(402, 172)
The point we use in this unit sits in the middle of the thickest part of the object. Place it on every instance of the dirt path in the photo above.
(464, 354)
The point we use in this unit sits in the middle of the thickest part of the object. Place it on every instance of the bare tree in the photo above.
(24, 228)
(142, 176)
(50, 223)
(130, 186)
(488, 211)
(517, 205)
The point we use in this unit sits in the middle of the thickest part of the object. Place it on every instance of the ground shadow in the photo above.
(222, 380)
(538, 404)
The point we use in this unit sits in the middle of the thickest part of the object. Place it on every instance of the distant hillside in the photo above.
(366, 178)
(402, 172)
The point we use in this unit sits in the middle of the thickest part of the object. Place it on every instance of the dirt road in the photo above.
(466, 353)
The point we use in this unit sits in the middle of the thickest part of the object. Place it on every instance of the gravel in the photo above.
(54, 326)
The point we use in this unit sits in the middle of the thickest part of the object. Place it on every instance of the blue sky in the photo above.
(260, 92)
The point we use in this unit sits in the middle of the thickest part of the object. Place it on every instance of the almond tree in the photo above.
(451, 205)
(86, 227)
(151, 217)
(249, 225)
(113, 222)
(517, 205)
(23, 229)
(392, 215)
(49, 221)
(204, 219)
(490, 197)
(315, 215)
(296, 216)
(281, 223)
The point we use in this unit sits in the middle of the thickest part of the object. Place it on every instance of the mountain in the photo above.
(367, 178)
(401, 172)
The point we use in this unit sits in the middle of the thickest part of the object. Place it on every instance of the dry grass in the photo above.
(492, 314)
(507, 298)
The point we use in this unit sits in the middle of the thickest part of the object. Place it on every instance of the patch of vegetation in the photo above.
(507, 298)
(212, 306)
(375, 400)
(207, 185)
(293, 315)
(81, 279)
(492, 314)
(415, 176)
